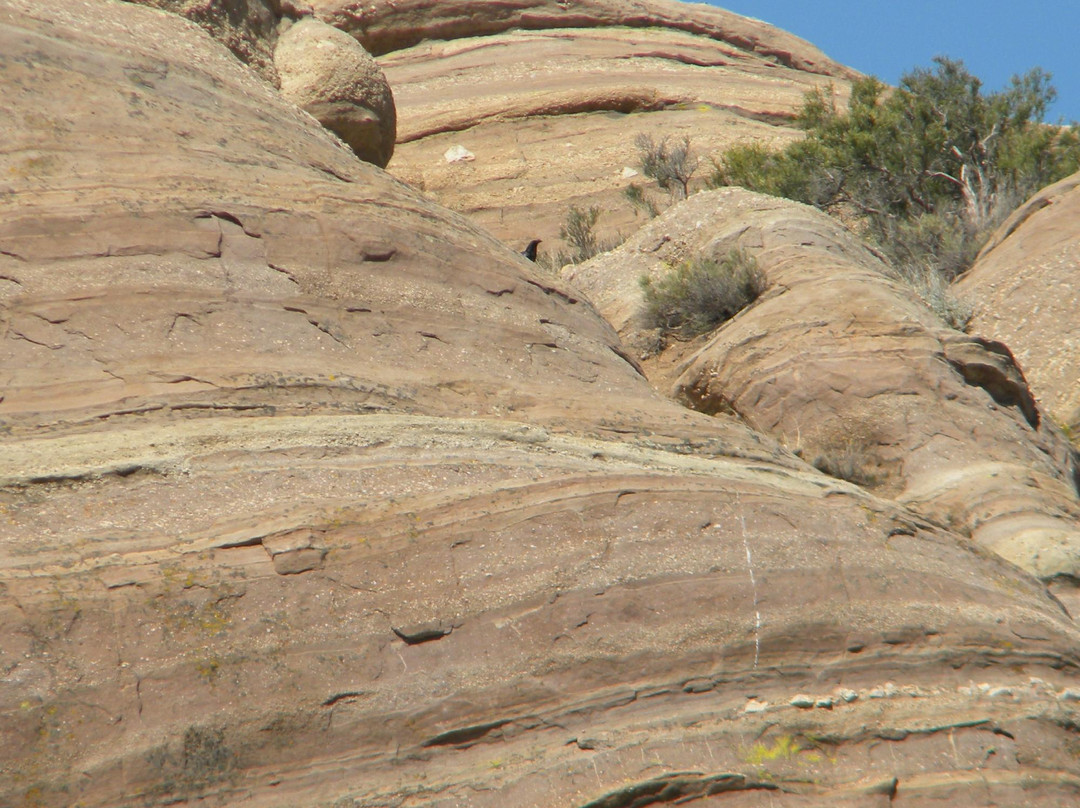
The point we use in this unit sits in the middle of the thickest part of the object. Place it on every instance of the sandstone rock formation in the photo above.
(845, 366)
(385, 27)
(245, 27)
(549, 97)
(327, 74)
(315, 494)
(1024, 286)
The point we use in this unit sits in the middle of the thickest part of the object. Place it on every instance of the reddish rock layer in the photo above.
(383, 27)
(549, 99)
(313, 494)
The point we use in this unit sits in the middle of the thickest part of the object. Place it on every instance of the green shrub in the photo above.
(925, 171)
(578, 230)
(698, 295)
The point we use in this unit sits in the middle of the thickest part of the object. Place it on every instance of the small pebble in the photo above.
(848, 695)
(755, 706)
(1070, 694)
(825, 703)
(999, 692)
(801, 700)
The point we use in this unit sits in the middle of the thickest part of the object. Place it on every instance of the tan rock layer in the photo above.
(215, 277)
(313, 494)
(1023, 287)
(509, 615)
(383, 27)
(848, 368)
(551, 116)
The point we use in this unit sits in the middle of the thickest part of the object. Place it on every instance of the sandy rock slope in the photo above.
(315, 494)
(848, 368)
(548, 98)
(1024, 286)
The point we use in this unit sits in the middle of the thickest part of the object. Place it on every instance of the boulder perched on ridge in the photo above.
(328, 74)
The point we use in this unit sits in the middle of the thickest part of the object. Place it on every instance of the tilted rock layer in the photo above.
(549, 97)
(313, 494)
(850, 369)
(245, 27)
(1024, 289)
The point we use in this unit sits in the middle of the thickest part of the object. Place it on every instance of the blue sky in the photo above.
(995, 38)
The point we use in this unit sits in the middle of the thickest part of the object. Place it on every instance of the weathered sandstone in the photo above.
(389, 26)
(327, 74)
(847, 367)
(313, 494)
(549, 97)
(1024, 287)
(245, 27)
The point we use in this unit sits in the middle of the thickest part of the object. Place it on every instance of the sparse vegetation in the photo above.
(925, 171)
(578, 230)
(205, 757)
(640, 200)
(849, 458)
(671, 167)
(935, 292)
(784, 747)
(698, 295)
(202, 760)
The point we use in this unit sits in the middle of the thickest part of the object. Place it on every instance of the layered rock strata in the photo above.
(850, 369)
(547, 99)
(246, 27)
(314, 494)
(1023, 287)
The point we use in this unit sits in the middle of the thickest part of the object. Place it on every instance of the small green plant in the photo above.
(700, 294)
(671, 166)
(640, 200)
(579, 231)
(783, 748)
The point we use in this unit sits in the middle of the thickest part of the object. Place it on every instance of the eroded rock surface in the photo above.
(389, 26)
(313, 494)
(549, 97)
(1024, 286)
(847, 367)
(326, 73)
(245, 27)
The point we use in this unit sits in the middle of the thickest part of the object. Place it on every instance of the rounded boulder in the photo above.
(328, 74)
